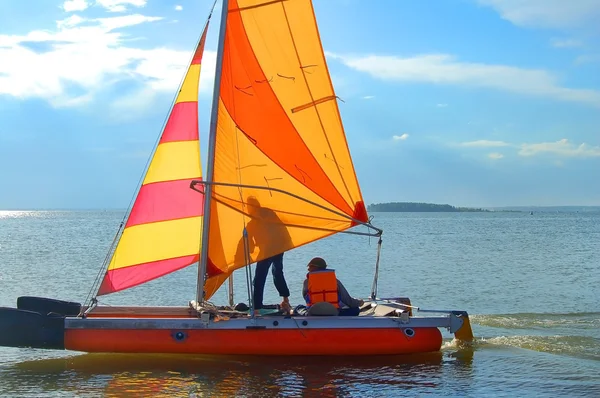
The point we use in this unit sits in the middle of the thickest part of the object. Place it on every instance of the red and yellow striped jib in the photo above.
(163, 230)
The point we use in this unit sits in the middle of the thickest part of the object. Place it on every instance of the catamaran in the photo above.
(279, 176)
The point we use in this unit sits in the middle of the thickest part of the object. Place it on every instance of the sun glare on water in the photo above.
(16, 213)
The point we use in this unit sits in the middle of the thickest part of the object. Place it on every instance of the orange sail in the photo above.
(162, 233)
(279, 131)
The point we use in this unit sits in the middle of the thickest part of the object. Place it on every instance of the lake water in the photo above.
(530, 282)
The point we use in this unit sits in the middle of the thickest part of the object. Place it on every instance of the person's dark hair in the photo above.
(318, 262)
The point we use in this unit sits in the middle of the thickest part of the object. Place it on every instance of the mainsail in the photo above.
(278, 131)
(162, 232)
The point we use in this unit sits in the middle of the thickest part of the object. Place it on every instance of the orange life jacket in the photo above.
(322, 286)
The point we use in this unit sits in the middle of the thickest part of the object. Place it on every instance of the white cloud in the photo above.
(444, 69)
(68, 22)
(120, 5)
(136, 154)
(547, 13)
(112, 23)
(400, 137)
(178, 8)
(75, 5)
(83, 57)
(561, 148)
(442, 105)
(566, 43)
(587, 59)
(484, 144)
(368, 97)
(131, 105)
(71, 101)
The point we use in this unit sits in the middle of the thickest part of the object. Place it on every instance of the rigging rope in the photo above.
(230, 288)
(374, 286)
(248, 267)
(99, 275)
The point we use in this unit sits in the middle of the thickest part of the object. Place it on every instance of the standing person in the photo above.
(267, 232)
(260, 277)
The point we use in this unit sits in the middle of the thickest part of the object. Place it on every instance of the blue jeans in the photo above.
(260, 277)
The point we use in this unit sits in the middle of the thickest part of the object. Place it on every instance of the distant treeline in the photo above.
(419, 207)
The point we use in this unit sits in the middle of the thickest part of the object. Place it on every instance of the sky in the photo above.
(467, 102)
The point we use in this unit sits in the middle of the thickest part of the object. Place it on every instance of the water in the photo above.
(530, 283)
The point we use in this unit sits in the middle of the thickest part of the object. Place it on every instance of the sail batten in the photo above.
(163, 229)
(259, 4)
(313, 103)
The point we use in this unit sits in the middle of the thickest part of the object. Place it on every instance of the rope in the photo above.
(97, 280)
(230, 289)
(299, 328)
(374, 286)
(248, 260)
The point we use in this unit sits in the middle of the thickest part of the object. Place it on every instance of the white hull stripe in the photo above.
(332, 322)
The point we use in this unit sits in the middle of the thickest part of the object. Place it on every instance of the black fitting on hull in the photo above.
(47, 305)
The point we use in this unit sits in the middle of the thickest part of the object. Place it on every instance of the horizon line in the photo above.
(374, 203)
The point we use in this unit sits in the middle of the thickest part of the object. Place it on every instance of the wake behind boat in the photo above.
(279, 176)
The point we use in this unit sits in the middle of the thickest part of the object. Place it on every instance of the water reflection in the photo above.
(172, 375)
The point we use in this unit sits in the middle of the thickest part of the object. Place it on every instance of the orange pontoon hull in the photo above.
(181, 330)
(363, 341)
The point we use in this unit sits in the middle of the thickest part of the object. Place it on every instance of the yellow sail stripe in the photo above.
(157, 241)
(189, 88)
(175, 161)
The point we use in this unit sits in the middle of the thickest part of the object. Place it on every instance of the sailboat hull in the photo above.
(269, 342)
(181, 330)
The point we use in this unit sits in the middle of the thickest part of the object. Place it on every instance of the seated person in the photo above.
(322, 285)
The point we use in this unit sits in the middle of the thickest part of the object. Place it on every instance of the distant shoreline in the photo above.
(411, 207)
(389, 207)
(417, 207)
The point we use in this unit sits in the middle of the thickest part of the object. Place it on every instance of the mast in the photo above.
(211, 157)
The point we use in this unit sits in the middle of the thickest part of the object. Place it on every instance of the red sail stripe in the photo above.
(168, 200)
(197, 59)
(182, 124)
(135, 275)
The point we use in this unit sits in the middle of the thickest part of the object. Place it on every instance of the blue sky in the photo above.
(467, 102)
